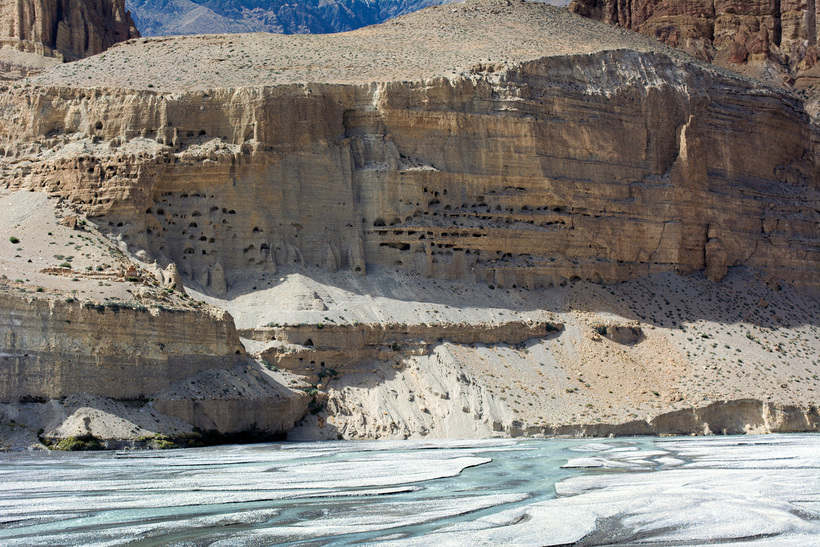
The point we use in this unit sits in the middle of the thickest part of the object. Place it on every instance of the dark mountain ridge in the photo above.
(166, 17)
(162, 17)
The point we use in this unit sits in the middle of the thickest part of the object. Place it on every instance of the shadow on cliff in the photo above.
(664, 300)
(668, 300)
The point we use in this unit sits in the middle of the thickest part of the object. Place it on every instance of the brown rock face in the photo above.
(727, 32)
(605, 166)
(73, 29)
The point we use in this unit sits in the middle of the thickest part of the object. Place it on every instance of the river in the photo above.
(743, 490)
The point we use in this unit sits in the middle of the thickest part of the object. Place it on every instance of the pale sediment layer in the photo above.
(391, 356)
(53, 348)
(516, 159)
(604, 167)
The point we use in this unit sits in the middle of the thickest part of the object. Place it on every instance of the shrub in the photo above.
(82, 443)
(161, 442)
(315, 407)
(14, 239)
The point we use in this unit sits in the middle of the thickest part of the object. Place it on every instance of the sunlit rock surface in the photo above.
(549, 149)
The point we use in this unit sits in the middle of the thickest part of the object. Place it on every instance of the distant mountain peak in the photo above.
(169, 17)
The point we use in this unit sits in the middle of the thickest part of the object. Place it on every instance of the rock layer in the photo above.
(515, 162)
(337, 346)
(53, 348)
(71, 29)
(604, 166)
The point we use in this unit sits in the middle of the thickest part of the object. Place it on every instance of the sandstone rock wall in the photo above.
(72, 29)
(726, 31)
(604, 167)
(357, 336)
(53, 348)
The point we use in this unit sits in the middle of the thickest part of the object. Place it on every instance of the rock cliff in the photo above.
(751, 37)
(549, 152)
(112, 346)
(516, 166)
(53, 348)
(71, 29)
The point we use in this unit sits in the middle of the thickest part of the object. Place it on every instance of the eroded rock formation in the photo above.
(71, 29)
(605, 167)
(728, 33)
(53, 348)
(337, 346)
(524, 160)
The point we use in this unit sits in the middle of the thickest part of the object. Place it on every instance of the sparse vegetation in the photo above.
(81, 443)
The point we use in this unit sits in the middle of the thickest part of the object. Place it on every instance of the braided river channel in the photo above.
(743, 490)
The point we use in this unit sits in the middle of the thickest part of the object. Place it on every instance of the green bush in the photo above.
(82, 443)
(315, 407)
(14, 239)
(327, 372)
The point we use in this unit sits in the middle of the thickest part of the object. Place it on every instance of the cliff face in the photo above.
(603, 167)
(728, 33)
(73, 29)
(53, 348)
(549, 151)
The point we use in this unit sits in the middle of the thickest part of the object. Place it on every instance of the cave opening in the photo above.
(777, 31)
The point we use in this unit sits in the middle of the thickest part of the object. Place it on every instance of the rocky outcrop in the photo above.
(308, 349)
(432, 396)
(231, 401)
(53, 348)
(738, 417)
(71, 29)
(520, 162)
(603, 167)
(728, 33)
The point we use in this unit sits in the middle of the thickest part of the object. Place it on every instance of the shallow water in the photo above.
(745, 490)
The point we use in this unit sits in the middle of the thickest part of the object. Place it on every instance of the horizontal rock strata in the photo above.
(551, 150)
(604, 166)
(231, 401)
(338, 346)
(53, 348)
